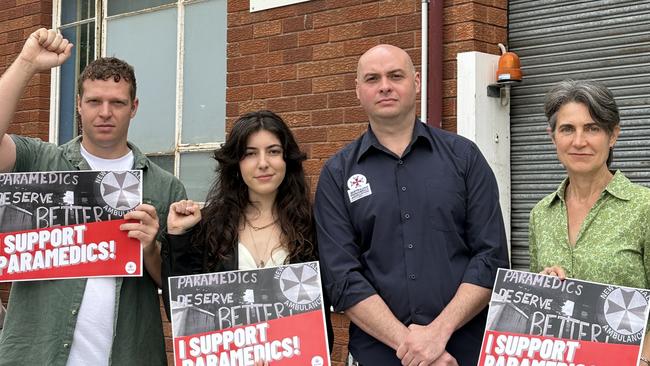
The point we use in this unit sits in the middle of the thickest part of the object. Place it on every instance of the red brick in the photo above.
(268, 59)
(343, 65)
(345, 32)
(355, 114)
(232, 50)
(296, 87)
(408, 22)
(275, 13)
(232, 79)
(297, 55)
(401, 40)
(449, 106)
(327, 117)
(347, 15)
(268, 90)
(253, 77)
(281, 73)
(251, 106)
(238, 5)
(377, 27)
(312, 102)
(333, 4)
(282, 104)
(296, 24)
(283, 42)
(297, 119)
(311, 134)
(311, 6)
(236, 34)
(328, 50)
(346, 132)
(331, 83)
(396, 7)
(240, 18)
(313, 167)
(313, 37)
(254, 46)
(326, 150)
(232, 109)
(449, 88)
(240, 63)
(312, 69)
(342, 99)
(357, 47)
(239, 93)
(266, 29)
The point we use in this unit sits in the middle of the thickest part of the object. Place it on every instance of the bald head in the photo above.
(385, 51)
(387, 86)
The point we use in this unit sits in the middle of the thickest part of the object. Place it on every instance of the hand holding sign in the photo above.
(146, 229)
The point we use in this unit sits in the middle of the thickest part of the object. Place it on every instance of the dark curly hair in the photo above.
(105, 68)
(217, 233)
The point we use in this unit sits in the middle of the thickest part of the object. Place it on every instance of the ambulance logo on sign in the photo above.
(120, 190)
(358, 187)
(300, 284)
(624, 311)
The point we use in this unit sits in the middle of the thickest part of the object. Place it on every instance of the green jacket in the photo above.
(42, 315)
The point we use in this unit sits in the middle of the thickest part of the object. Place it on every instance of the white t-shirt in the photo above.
(93, 333)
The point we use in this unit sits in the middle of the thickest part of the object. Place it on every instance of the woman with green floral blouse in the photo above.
(596, 225)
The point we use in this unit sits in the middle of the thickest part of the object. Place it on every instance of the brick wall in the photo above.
(18, 19)
(468, 26)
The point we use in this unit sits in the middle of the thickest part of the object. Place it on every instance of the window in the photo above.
(178, 49)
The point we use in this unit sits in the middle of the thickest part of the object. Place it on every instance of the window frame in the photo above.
(101, 18)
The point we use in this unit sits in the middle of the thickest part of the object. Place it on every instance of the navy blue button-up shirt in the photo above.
(410, 229)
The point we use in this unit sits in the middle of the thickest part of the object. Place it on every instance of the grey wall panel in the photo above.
(606, 40)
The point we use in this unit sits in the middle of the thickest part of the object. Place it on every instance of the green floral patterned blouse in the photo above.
(613, 244)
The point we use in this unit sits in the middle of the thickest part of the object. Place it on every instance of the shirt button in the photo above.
(411, 246)
(403, 189)
(66, 345)
(400, 162)
(74, 311)
(407, 216)
(412, 276)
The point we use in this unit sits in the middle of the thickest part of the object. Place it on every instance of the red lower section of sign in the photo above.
(509, 349)
(298, 340)
(98, 249)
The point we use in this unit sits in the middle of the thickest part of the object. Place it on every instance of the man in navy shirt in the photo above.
(410, 231)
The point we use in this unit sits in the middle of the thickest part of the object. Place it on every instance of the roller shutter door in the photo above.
(608, 41)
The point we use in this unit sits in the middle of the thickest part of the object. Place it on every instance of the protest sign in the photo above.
(66, 224)
(235, 318)
(541, 320)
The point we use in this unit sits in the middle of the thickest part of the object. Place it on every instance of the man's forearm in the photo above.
(374, 317)
(12, 86)
(468, 301)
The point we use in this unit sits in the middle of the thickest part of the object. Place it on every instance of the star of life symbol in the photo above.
(624, 311)
(299, 284)
(358, 187)
(120, 190)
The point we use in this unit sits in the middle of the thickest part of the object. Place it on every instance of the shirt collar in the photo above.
(369, 140)
(617, 187)
(72, 151)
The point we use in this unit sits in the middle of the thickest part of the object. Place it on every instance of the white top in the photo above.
(93, 333)
(246, 260)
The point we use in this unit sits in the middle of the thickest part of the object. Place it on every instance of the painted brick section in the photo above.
(300, 61)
